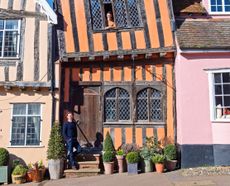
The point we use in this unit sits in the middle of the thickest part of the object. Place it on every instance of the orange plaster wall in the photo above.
(98, 43)
(129, 135)
(126, 42)
(140, 39)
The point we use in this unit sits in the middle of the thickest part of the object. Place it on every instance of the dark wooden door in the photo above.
(89, 114)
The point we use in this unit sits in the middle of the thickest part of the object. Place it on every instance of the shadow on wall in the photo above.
(11, 161)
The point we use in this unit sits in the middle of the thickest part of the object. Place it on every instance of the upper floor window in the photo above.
(149, 105)
(26, 124)
(220, 6)
(9, 37)
(117, 105)
(221, 95)
(108, 14)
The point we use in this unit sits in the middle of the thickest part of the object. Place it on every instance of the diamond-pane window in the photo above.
(117, 105)
(120, 13)
(149, 105)
(133, 13)
(96, 14)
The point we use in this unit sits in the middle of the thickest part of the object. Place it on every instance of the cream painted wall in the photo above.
(15, 96)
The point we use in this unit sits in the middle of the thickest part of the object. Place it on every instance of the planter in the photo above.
(55, 169)
(120, 160)
(29, 175)
(132, 168)
(18, 179)
(148, 166)
(171, 165)
(3, 174)
(109, 167)
(159, 167)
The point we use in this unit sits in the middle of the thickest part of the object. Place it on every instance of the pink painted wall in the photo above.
(194, 124)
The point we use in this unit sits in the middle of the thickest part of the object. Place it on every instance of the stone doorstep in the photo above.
(89, 164)
(81, 173)
(88, 157)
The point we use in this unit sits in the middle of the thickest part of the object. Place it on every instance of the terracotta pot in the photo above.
(109, 167)
(159, 167)
(18, 179)
(29, 175)
(171, 165)
(120, 160)
(37, 175)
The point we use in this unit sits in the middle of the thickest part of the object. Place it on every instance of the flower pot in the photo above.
(55, 168)
(109, 167)
(120, 160)
(38, 175)
(3, 174)
(159, 167)
(18, 179)
(171, 165)
(132, 168)
(29, 175)
(148, 166)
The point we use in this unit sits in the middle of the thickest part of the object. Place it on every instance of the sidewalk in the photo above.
(147, 179)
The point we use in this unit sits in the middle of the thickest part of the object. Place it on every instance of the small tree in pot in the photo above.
(120, 158)
(108, 154)
(4, 159)
(132, 159)
(170, 153)
(158, 160)
(56, 152)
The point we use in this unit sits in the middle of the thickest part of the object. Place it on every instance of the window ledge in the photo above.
(39, 146)
(219, 13)
(10, 58)
(221, 121)
(118, 29)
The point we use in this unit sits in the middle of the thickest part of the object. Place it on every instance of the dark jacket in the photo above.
(69, 130)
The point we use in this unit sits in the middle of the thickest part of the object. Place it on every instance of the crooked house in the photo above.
(117, 68)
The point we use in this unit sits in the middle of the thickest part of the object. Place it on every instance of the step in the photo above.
(70, 173)
(88, 157)
(89, 164)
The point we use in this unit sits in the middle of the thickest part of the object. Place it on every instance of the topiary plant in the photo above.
(120, 152)
(108, 156)
(19, 170)
(4, 157)
(108, 143)
(56, 147)
(133, 157)
(158, 158)
(170, 152)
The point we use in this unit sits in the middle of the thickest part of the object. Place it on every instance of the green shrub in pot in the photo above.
(170, 153)
(4, 159)
(133, 159)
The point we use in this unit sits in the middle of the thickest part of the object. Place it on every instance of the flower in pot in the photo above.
(108, 162)
(170, 153)
(56, 152)
(132, 159)
(108, 154)
(19, 174)
(120, 158)
(158, 160)
(4, 159)
(146, 154)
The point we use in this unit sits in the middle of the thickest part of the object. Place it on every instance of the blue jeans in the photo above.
(73, 143)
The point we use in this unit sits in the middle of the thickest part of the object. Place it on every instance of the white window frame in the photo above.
(218, 13)
(3, 40)
(212, 94)
(41, 124)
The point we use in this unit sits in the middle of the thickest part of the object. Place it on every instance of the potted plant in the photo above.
(132, 159)
(158, 160)
(30, 173)
(120, 159)
(146, 154)
(108, 162)
(108, 154)
(19, 174)
(170, 153)
(4, 159)
(56, 152)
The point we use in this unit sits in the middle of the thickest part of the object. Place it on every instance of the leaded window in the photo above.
(149, 105)
(126, 13)
(26, 124)
(117, 105)
(9, 38)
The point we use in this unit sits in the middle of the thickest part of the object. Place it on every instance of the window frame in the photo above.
(18, 39)
(223, 12)
(129, 27)
(26, 124)
(212, 101)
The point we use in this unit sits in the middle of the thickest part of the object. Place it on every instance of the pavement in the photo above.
(148, 179)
